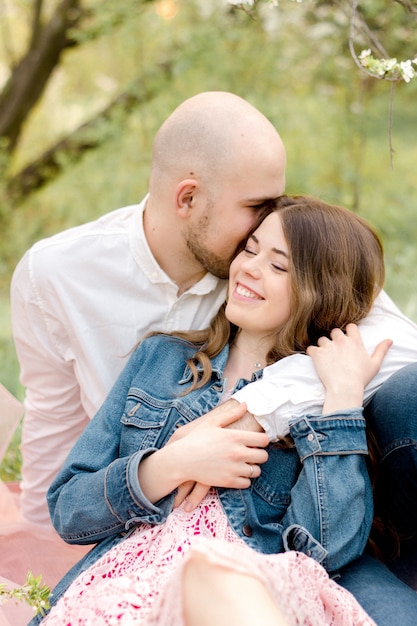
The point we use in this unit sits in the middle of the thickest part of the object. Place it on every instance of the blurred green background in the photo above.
(291, 61)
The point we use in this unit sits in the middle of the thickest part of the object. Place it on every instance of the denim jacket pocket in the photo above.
(278, 475)
(148, 422)
(142, 421)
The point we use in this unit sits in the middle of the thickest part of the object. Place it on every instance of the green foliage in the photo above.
(9, 377)
(393, 25)
(33, 592)
(11, 464)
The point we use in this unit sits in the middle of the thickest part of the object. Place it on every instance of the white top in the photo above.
(291, 387)
(81, 300)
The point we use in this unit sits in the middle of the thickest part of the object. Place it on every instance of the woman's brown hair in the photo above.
(336, 269)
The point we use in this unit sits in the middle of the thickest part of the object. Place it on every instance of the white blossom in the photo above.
(388, 68)
(407, 71)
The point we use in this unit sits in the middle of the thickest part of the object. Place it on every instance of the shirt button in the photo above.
(247, 530)
(308, 552)
(310, 437)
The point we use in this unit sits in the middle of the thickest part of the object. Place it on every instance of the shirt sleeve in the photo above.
(54, 415)
(291, 387)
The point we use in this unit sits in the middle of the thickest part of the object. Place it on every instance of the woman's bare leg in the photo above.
(215, 595)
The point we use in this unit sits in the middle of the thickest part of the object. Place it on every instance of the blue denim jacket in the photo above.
(315, 497)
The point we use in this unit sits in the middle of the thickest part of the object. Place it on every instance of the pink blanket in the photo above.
(24, 547)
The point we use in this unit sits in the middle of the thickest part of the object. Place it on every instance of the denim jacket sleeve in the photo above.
(333, 490)
(97, 494)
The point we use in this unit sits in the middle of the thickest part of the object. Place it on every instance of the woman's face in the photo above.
(259, 281)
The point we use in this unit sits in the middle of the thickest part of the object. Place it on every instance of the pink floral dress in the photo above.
(139, 581)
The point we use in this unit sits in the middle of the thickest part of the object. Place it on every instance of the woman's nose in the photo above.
(251, 266)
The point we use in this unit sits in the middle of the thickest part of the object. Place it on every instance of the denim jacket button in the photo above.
(247, 530)
(310, 437)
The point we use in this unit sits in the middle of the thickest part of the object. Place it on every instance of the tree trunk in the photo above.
(87, 137)
(31, 74)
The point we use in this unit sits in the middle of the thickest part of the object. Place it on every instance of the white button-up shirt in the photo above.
(81, 300)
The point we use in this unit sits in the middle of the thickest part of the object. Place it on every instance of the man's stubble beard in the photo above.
(195, 240)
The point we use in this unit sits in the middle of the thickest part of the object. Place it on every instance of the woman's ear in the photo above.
(185, 197)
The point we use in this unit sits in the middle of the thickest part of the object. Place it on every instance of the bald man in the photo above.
(83, 298)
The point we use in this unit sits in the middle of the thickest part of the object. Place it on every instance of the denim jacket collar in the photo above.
(218, 364)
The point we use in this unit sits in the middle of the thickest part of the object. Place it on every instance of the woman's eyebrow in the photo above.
(282, 252)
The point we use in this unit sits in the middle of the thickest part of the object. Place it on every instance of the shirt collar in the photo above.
(146, 261)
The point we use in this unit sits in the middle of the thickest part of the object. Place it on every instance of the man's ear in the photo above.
(185, 193)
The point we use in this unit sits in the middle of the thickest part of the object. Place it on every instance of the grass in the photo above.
(12, 461)
(9, 377)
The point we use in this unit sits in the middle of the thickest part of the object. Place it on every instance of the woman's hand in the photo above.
(192, 492)
(205, 452)
(345, 367)
(213, 454)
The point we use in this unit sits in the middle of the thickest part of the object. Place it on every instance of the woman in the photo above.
(307, 268)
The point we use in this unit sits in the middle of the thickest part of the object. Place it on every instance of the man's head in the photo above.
(216, 162)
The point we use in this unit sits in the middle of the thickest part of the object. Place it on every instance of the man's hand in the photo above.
(345, 367)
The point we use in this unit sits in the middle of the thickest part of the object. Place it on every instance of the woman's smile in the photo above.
(246, 293)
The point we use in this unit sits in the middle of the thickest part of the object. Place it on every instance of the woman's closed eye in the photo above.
(251, 252)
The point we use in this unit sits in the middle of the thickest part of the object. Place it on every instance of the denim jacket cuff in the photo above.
(341, 432)
(135, 506)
